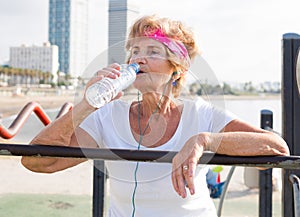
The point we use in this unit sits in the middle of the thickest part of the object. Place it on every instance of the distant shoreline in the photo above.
(248, 97)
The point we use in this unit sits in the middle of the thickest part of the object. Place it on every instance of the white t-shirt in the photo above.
(109, 126)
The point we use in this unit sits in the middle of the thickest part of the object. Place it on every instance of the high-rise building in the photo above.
(44, 58)
(68, 29)
(121, 16)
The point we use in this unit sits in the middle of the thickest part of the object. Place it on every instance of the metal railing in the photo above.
(24, 114)
(286, 162)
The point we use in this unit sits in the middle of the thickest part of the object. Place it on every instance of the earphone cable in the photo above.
(140, 142)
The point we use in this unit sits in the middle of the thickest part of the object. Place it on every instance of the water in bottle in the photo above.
(106, 89)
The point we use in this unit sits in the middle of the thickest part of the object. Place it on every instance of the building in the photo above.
(121, 16)
(68, 29)
(44, 58)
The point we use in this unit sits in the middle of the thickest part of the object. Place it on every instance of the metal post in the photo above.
(265, 176)
(290, 113)
(224, 192)
(98, 188)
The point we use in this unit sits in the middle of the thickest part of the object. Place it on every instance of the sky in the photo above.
(239, 39)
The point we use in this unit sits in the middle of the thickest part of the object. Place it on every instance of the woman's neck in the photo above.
(155, 103)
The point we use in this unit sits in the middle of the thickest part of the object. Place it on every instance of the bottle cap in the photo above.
(135, 66)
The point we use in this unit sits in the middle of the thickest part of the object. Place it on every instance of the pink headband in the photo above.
(175, 46)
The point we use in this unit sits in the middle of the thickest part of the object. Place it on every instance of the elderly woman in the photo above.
(158, 120)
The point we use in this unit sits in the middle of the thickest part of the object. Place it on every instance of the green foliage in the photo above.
(208, 89)
(246, 88)
(14, 76)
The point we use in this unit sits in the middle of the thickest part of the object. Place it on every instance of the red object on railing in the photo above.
(24, 114)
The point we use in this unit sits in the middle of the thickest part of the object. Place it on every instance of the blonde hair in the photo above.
(172, 29)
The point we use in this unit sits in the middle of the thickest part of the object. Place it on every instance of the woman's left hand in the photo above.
(184, 164)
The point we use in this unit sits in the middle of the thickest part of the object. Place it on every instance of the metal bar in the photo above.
(265, 176)
(224, 192)
(22, 117)
(98, 188)
(265, 193)
(290, 162)
(296, 182)
(290, 113)
(64, 109)
(287, 118)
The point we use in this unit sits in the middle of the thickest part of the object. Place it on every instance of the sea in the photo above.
(246, 109)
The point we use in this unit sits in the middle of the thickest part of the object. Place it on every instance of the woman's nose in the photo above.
(140, 59)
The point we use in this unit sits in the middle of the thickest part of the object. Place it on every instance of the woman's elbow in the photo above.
(285, 151)
(282, 146)
(33, 165)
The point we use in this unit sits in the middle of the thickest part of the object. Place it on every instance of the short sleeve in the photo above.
(93, 124)
(217, 117)
(92, 127)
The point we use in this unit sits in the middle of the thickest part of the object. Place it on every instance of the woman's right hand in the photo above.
(112, 71)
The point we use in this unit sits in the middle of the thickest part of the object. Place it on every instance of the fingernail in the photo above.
(192, 191)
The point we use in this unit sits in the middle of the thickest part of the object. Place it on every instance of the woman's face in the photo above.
(155, 69)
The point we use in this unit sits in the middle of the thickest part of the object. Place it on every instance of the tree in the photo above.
(227, 90)
(248, 87)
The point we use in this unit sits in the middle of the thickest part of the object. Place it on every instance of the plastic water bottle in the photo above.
(106, 89)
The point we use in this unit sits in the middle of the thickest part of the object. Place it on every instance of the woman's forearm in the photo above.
(246, 143)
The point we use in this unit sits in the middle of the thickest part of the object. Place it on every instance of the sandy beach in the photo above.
(11, 105)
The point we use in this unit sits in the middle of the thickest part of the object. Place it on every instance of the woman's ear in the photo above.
(176, 75)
